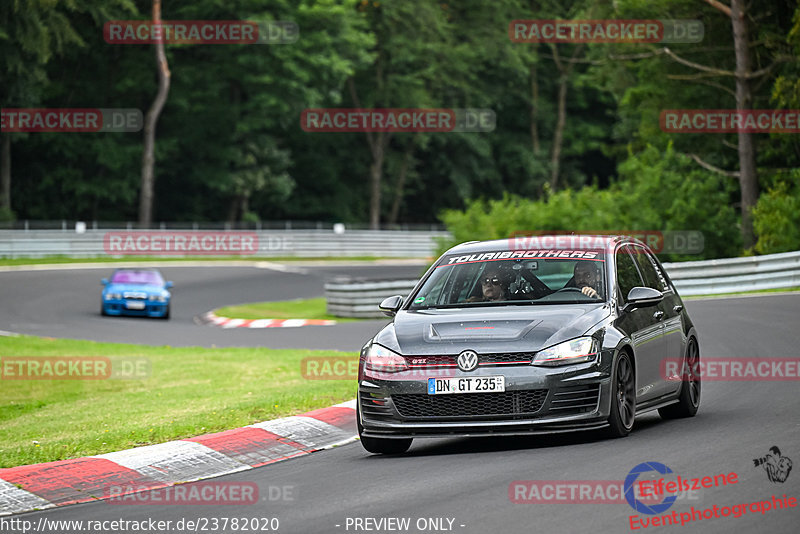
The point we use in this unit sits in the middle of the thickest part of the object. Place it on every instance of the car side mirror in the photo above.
(642, 297)
(390, 305)
(167, 285)
(104, 281)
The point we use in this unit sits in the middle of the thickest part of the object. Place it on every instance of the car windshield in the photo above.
(523, 277)
(137, 277)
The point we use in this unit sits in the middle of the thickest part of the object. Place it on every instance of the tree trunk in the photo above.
(5, 173)
(534, 109)
(748, 179)
(148, 153)
(558, 135)
(375, 177)
(401, 182)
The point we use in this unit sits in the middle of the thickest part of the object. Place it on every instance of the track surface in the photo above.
(66, 303)
(468, 479)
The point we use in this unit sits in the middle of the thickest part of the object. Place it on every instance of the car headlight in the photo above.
(383, 360)
(158, 298)
(113, 296)
(578, 350)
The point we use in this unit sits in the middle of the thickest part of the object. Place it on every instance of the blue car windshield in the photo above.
(137, 277)
(507, 277)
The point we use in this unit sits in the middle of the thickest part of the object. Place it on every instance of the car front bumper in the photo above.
(151, 308)
(537, 400)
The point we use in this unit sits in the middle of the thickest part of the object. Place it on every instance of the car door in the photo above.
(671, 307)
(643, 325)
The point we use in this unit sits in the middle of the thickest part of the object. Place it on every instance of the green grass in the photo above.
(759, 291)
(285, 309)
(128, 259)
(188, 392)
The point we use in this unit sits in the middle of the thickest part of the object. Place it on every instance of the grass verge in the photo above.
(284, 309)
(760, 291)
(187, 392)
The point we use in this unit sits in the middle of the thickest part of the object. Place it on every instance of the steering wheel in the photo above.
(569, 289)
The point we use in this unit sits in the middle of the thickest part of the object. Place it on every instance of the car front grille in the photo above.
(577, 399)
(509, 403)
(500, 358)
(134, 295)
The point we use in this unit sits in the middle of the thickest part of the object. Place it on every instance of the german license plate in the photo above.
(133, 305)
(478, 384)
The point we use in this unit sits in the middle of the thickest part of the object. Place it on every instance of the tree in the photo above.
(150, 121)
(31, 34)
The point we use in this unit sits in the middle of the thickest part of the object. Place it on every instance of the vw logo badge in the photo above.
(467, 360)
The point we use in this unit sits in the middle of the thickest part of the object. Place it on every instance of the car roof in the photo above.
(521, 242)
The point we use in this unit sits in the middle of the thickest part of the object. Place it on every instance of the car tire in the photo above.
(166, 314)
(103, 310)
(623, 397)
(382, 445)
(689, 397)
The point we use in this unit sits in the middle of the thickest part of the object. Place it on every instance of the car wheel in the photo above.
(382, 445)
(689, 398)
(166, 314)
(102, 309)
(623, 398)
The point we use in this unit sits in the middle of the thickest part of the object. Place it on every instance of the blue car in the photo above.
(140, 292)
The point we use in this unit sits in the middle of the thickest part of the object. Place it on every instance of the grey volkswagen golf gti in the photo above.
(525, 336)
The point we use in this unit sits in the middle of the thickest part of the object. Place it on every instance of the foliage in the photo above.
(776, 217)
(697, 200)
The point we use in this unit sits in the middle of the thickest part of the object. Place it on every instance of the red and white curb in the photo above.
(39, 486)
(226, 322)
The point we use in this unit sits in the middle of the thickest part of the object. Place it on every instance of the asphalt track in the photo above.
(66, 304)
(468, 480)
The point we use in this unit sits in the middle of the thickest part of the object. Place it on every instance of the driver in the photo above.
(494, 286)
(587, 278)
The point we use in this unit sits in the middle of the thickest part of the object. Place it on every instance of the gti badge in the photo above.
(467, 360)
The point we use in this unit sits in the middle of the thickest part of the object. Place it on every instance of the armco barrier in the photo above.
(300, 243)
(354, 298)
(732, 275)
(360, 298)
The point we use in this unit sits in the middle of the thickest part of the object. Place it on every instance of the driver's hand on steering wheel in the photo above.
(589, 292)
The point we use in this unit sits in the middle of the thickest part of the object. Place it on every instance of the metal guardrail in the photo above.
(733, 275)
(360, 298)
(353, 298)
(271, 243)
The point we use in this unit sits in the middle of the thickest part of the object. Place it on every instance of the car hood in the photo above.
(489, 329)
(141, 288)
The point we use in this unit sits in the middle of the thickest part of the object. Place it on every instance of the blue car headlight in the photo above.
(578, 350)
(159, 298)
(113, 296)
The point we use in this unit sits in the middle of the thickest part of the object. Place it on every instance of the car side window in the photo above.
(627, 275)
(662, 280)
(648, 269)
